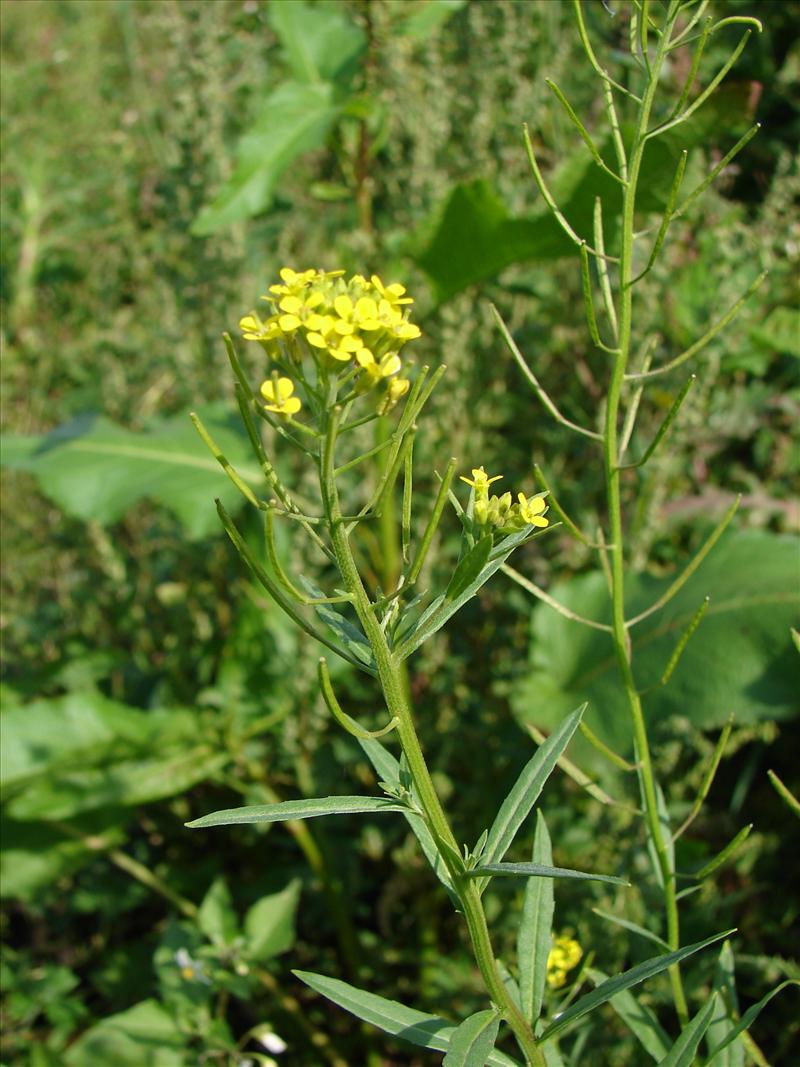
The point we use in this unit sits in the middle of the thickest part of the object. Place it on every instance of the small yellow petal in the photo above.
(343, 306)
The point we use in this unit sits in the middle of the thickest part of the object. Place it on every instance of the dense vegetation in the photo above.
(155, 180)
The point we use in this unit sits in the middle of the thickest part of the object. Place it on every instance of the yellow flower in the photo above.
(392, 294)
(279, 396)
(388, 366)
(565, 954)
(531, 510)
(293, 281)
(254, 329)
(298, 310)
(480, 480)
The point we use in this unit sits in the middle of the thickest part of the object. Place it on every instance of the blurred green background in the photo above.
(161, 162)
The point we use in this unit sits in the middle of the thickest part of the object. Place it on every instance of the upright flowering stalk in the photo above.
(333, 364)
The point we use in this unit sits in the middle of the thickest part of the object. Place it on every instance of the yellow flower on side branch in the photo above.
(279, 396)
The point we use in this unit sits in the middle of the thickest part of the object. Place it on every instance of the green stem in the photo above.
(395, 692)
(616, 549)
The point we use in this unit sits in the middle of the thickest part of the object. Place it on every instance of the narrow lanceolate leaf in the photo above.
(429, 1031)
(473, 1040)
(525, 792)
(635, 928)
(639, 1019)
(606, 990)
(724, 1018)
(749, 1018)
(469, 568)
(540, 870)
(535, 931)
(683, 1051)
(297, 809)
(388, 770)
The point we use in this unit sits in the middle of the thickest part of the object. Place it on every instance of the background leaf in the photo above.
(97, 471)
(295, 119)
(269, 924)
(319, 41)
(739, 660)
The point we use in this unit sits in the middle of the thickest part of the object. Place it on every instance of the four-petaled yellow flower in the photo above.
(480, 480)
(392, 294)
(279, 396)
(531, 510)
(565, 954)
(376, 370)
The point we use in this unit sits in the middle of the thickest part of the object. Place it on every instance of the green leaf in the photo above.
(119, 784)
(296, 118)
(35, 855)
(388, 770)
(269, 924)
(296, 809)
(143, 1036)
(426, 17)
(639, 1019)
(319, 42)
(216, 917)
(429, 1031)
(539, 870)
(683, 1051)
(780, 331)
(473, 1040)
(471, 237)
(441, 609)
(749, 1018)
(606, 990)
(534, 937)
(525, 791)
(95, 470)
(635, 928)
(71, 730)
(350, 634)
(469, 568)
(727, 1011)
(740, 659)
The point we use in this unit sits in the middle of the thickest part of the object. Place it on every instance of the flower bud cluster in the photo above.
(500, 512)
(356, 326)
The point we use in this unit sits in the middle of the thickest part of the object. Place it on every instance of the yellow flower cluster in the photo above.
(564, 955)
(500, 511)
(354, 324)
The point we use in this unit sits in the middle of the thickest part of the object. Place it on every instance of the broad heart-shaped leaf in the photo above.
(683, 1051)
(429, 1031)
(606, 990)
(296, 809)
(471, 235)
(534, 937)
(144, 1034)
(96, 470)
(638, 1018)
(319, 42)
(216, 917)
(525, 791)
(443, 608)
(473, 1040)
(739, 660)
(388, 770)
(426, 17)
(269, 924)
(540, 870)
(295, 119)
(123, 783)
(67, 731)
